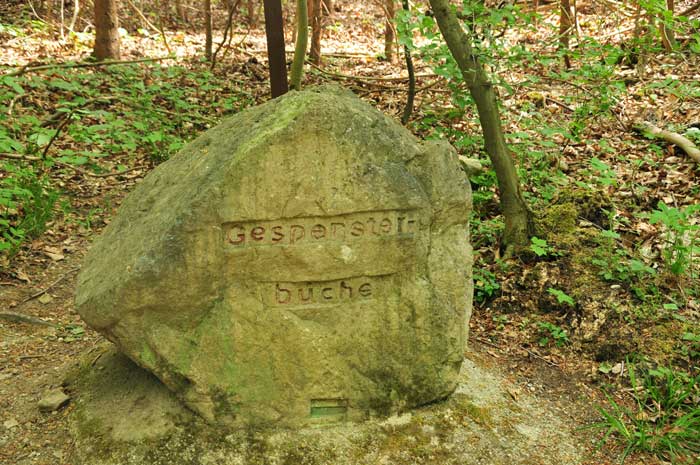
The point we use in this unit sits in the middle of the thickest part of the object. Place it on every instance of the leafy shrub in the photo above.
(26, 205)
(681, 237)
(551, 332)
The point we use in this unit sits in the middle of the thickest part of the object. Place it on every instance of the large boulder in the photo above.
(304, 262)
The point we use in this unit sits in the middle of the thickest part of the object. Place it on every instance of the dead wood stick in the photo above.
(488, 343)
(28, 69)
(92, 175)
(49, 287)
(60, 127)
(16, 156)
(671, 137)
(536, 355)
(20, 318)
(14, 100)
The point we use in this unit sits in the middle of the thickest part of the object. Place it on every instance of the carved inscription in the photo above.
(320, 293)
(310, 230)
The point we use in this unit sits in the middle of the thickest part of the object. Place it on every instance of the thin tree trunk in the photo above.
(106, 30)
(565, 26)
(208, 30)
(518, 219)
(48, 11)
(316, 16)
(408, 109)
(390, 11)
(181, 12)
(300, 45)
(327, 7)
(63, 18)
(252, 16)
(229, 23)
(667, 34)
(76, 11)
(274, 30)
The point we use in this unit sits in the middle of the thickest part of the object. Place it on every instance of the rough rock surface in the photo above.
(125, 416)
(304, 262)
(53, 400)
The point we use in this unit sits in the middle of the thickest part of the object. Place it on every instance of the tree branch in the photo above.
(28, 69)
(671, 137)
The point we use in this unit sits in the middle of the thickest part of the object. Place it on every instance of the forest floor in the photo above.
(611, 281)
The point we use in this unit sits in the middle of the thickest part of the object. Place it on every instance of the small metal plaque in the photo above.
(326, 411)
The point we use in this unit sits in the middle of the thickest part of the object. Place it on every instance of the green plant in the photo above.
(540, 247)
(149, 112)
(690, 346)
(553, 332)
(665, 418)
(603, 174)
(562, 297)
(485, 232)
(681, 237)
(616, 264)
(485, 284)
(501, 321)
(26, 205)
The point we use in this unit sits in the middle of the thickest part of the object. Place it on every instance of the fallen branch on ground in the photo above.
(15, 156)
(49, 287)
(20, 318)
(28, 69)
(671, 137)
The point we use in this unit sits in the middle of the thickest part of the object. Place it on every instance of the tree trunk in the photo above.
(316, 17)
(518, 219)
(180, 10)
(252, 14)
(565, 26)
(106, 30)
(390, 12)
(208, 30)
(46, 9)
(300, 45)
(668, 37)
(274, 31)
(76, 11)
(408, 109)
(327, 8)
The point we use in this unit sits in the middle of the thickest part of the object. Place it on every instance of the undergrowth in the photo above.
(96, 120)
(664, 419)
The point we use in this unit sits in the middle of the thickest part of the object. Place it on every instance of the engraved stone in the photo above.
(305, 262)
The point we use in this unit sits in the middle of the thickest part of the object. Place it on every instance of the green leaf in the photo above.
(73, 160)
(13, 83)
(43, 138)
(561, 296)
(61, 84)
(539, 246)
